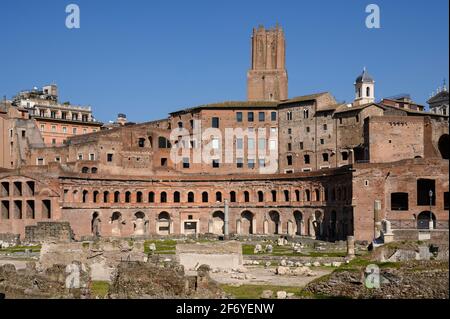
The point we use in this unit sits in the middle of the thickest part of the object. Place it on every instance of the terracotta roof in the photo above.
(230, 104)
(344, 108)
(302, 98)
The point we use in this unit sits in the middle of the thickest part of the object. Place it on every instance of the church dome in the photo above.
(364, 77)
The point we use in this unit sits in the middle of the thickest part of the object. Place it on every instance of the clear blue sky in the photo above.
(147, 58)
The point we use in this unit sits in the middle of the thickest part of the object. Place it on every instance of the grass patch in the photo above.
(162, 246)
(17, 249)
(255, 291)
(99, 289)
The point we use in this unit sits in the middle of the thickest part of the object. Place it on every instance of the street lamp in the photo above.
(430, 193)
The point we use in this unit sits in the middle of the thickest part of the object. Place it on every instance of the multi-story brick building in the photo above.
(56, 121)
(304, 166)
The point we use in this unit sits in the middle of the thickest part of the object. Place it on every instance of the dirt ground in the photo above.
(267, 276)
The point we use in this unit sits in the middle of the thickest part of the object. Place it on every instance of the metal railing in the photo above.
(412, 224)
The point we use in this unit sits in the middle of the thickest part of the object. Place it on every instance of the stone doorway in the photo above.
(218, 223)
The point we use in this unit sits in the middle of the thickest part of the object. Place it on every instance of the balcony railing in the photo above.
(412, 224)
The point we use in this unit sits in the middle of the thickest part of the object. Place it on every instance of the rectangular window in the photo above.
(301, 145)
(23, 134)
(74, 130)
(344, 156)
(239, 162)
(399, 201)
(64, 129)
(215, 122)
(163, 162)
(262, 116)
(272, 145)
(40, 161)
(53, 128)
(53, 141)
(306, 158)
(273, 116)
(185, 162)
(251, 163)
(262, 162)
(289, 160)
(307, 129)
(325, 127)
(80, 157)
(250, 116)
(42, 127)
(92, 157)
(261, 144)
(84, 130)
(289, 146)
(426, 192)
(322, 141)
(251, 143)
(215, 163)
(239, 143)
(109, 157)
(238, 116)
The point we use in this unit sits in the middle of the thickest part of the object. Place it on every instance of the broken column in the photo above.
(350, 246)
(376, 217)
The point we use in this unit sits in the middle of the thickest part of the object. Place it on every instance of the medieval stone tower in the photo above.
(267, 79)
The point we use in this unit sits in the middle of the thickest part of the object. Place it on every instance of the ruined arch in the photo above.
(423, 220)
(247, 222)
(164, 223)
(274, 222)
(140, 224)
(95, 224)
(218, 223)
(298, 217)
(116, 224)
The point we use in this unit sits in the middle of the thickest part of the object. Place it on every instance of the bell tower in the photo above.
(267, 79)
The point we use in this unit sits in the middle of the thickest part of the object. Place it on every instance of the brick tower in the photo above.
(267, 79)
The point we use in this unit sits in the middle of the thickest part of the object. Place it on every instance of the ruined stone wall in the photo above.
(49, 231)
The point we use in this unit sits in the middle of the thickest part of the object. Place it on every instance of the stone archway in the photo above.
(164, 223)
(423, 220)
(140, 224)
(444, 146)
(274, 222)
(116, 223)
(218, 223)
(247, 223)
(298, 217)
(95, 224)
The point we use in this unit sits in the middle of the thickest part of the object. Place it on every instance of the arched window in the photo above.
(286, 195)
(233, 196)
(151, 197)
(85, 170)
(95, 196)
(141, 142)
(106, 197)
(297, 195)
(85, 196)
(218, 197)
(317, 195)
(127, 197)
(191, 197)
(176, 197)
(260, 196)
(368, 91)
(94, 170)
(307, 195)
(139, 197)
(205, 197)
(116, 197)
(163, 197)
(246, 196)
(274, 195)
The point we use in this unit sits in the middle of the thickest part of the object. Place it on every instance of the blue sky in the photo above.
(147, 58)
